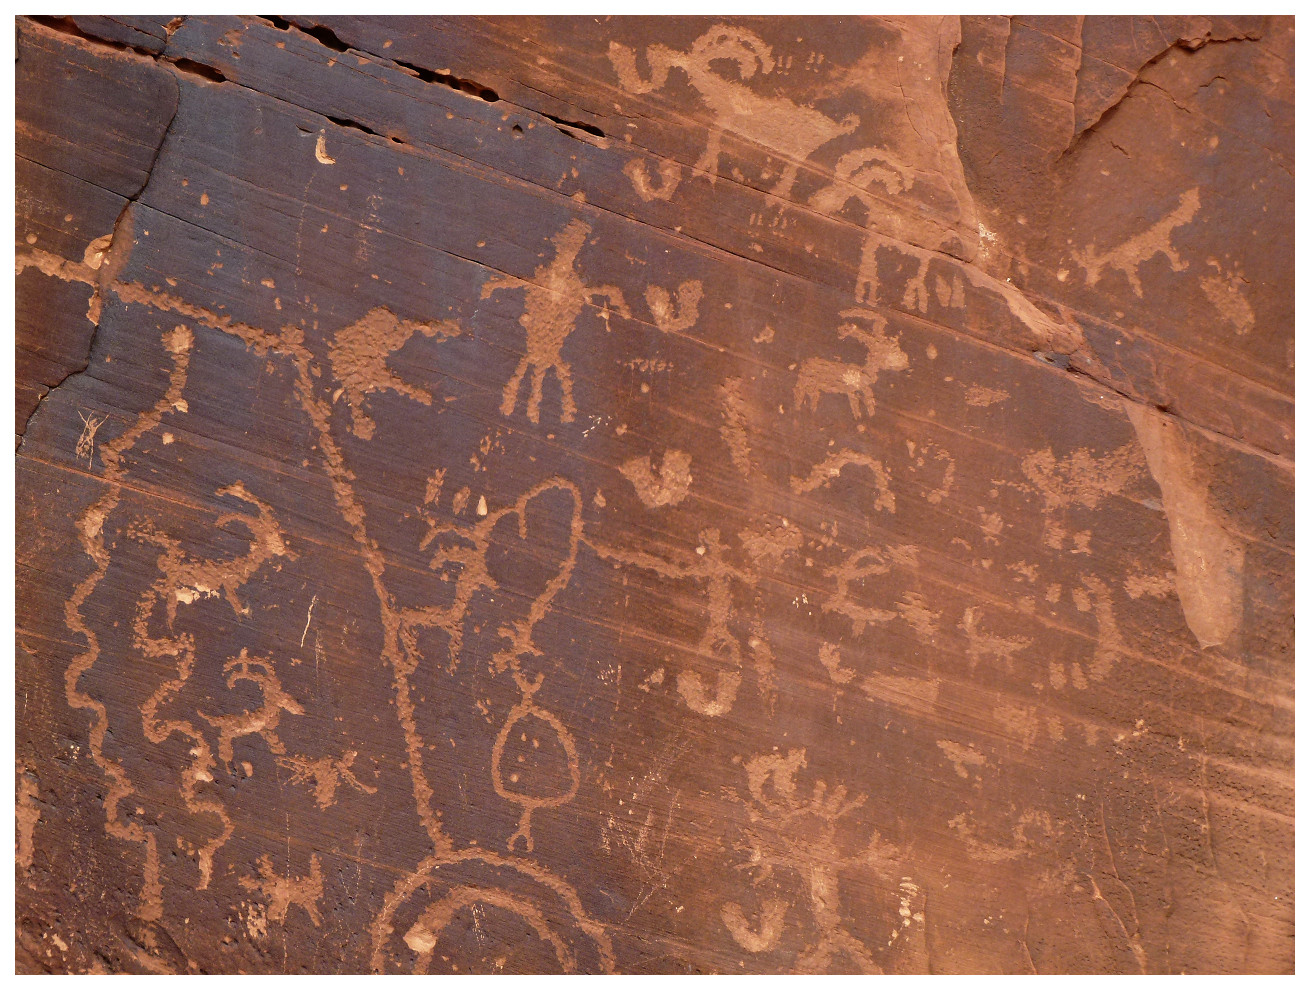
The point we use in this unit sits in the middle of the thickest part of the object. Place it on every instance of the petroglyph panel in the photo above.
(729, 495)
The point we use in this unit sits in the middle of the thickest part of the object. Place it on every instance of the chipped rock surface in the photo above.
(684, 495)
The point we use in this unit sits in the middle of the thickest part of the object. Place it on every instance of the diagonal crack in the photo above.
(114, 256)
(1061, 361)
(1189, 45)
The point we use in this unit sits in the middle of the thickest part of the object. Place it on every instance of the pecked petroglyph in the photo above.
(326, 773)
(56, 266)
(710, 567)
(443, 884)
(1110, 647)
(186, 579)
(603, 674)
(263, 721)
(929, 453)
(320, 150)
(989, 646)
(670, 173)
(359, 353)
(768, 543)
(982, 396)
(1227, 294)
(821, 376)
(833, 465)
(669, 488)
(288, 344)
(963, 758)
(422, 935)
(675, 316)
(178, 343)
(508, 784)
(768, 930)
(554, 299)
(285, 891)
(790, 833)
(27, 813)
(854, 176)
(1080, 479)
(858, 567)
(1051, 334)
(1129, 256)
(790, 131)
(468, 550)
(733, 430)
(830, 655)
(915, 611)
(1138, 584)
(1208, 560)
(183, 580)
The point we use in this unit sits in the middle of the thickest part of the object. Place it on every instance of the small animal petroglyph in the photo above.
(866, 563)
(868, 282)
(821, 376)
(962, 757)
(986, 646)
(919, 454)
(830, 657)
(327, 773)
(359, 353)
(187, 579)
(982, 396)
(669, 488)
(662, 308)
(787, 130)
(1129, 256)
(554, 299)
(768, 544)
(768, 931)
(284, 891)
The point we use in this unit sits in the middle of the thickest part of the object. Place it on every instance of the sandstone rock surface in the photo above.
(654, 495)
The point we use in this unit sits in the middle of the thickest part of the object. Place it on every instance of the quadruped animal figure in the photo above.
(822, 376)
(791, 132)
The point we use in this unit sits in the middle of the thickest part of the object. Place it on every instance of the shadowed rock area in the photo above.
(654, 495)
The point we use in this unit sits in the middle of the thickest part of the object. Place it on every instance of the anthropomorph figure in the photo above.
(554, 301)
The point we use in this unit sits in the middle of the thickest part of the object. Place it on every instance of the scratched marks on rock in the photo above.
(796, 837)
(837, 568)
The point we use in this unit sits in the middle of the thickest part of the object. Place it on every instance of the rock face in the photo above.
(654, 495)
